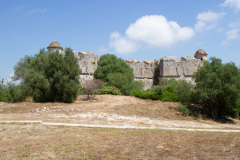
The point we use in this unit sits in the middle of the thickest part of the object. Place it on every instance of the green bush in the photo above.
(109, 90)
(116, 72)
(4, 93)
(184, 110)
(17, 93)
(148, 94)
(168, 96)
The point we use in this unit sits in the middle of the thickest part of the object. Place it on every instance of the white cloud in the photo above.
(122, 44)
(233, 32)
(232, 4)
(153, 30)
(10, 79)
(39, 10)
(207, 20)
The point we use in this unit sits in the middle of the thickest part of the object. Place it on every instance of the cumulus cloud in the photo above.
(232, 4)
(122, 44)
(153, 30)
(207, 20)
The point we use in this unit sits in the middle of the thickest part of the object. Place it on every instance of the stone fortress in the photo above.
(149, 72)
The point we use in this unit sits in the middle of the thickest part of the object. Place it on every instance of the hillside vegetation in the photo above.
(53, 77)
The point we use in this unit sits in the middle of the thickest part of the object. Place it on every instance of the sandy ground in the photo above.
(109, 110)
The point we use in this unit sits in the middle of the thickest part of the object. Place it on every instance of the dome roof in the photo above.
(200, 52)
(54, 44)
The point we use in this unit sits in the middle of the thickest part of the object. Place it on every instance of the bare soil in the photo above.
(109, 110)
(34, 141)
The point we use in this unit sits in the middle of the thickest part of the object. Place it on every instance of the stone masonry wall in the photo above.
(170, 67)
(88, 63)
(148, 72)
(143, 72)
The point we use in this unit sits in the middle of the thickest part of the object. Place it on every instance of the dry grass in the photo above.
(52, 142)
(32, 141)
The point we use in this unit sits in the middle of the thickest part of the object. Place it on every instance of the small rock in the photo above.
(160, 147)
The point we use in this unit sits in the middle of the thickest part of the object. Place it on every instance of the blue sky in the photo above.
(130, 29)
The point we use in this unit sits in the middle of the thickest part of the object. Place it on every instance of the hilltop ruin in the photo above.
(150, 72)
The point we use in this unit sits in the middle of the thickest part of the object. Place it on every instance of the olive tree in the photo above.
(217, 88)
(49, 76)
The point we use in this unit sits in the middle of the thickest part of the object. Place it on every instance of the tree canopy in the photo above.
(217, 88)
(116, 72)
(49, 76)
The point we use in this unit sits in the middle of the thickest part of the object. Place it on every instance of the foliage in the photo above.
(169, 90)
(115, 72)
(184, 110)
(4, 92)
(17, 93)
(109, 90)
(169, 96)
(148, 94)
(49, 76)
(218, 88)
(180, 90)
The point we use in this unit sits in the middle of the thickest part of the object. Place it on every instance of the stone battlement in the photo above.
(150, 72)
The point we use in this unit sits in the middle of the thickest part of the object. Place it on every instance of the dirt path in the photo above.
(111, 112)
(117, 127)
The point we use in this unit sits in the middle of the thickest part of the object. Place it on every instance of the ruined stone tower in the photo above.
(55, 46)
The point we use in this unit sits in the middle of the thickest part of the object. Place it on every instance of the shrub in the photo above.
(116, 72)
(4, 93)
(168, 96)
(184, 110)
(17, 93)
(109, 90)
(146, 95)
(91, 87)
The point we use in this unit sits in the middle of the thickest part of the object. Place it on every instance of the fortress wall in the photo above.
(179, 69)
(147, 82)
(87, 62)
(143, 72)
(84, 78)
(191, 66)
(167, 67)
(149, 72)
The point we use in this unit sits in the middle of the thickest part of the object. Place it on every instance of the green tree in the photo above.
(218, 88)
(49, 76)
(4, 92)
(116, 72)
